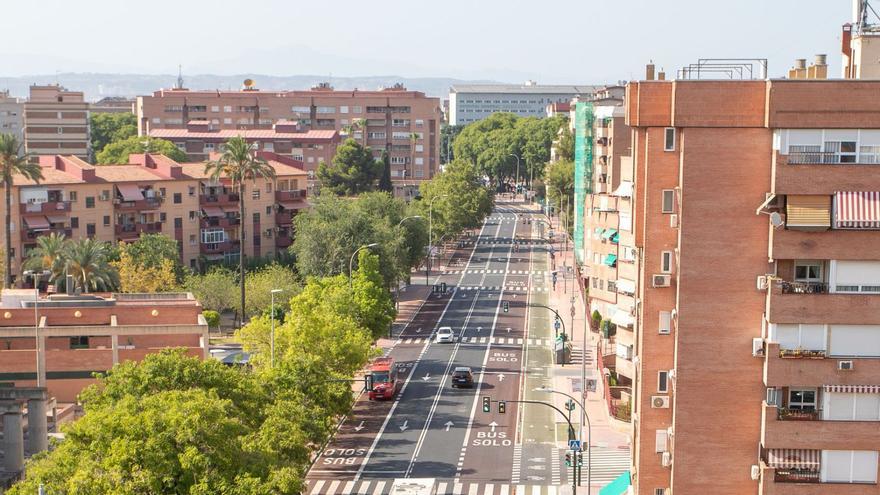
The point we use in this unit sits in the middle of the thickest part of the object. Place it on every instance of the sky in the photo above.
(550, 41)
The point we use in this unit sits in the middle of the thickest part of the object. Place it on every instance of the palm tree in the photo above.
(49, 255)
(88, 261)
(361, 125)
(239, 163)
(13, 162)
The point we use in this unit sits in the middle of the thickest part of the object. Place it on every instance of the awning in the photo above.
(608, 233)
(857, 210)
(793, 458)
(57, 218)
(624, 190)
(599, 230)
(229, 209)
(615, 238)
(811, 212)
(626, 286)
(619, 486)
(294, 205)
(622, 319)
(610, 260)
(130, 192)
(853, 389)
(213, 211)
(37, 223)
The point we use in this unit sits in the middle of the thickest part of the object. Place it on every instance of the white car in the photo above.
(444, 335)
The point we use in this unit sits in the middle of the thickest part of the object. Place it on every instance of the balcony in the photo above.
(808, 372)
(290, 195)
(796, 476)
(218, 199)
(224, 222)
(803, 287)
(231, 246)
(134, 230)
(283, 240)
(822, 178)
(810, 302)
(829, 244)
(139, 205)
(284, 218)
(47, 207)
(32, 235)
(794, 429)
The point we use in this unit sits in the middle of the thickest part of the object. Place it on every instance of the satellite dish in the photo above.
(248, 83)
(776, 220)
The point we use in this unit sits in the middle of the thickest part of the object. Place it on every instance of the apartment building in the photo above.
(56, 121)
(11, 116)
(113, 104)
(153, 194)
(405, 123)
(757, 355)
(472, 102)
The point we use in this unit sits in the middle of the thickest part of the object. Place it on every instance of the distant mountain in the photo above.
(99, 85)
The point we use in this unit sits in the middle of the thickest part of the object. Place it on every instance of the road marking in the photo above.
(380, 486)
(441, 488)
(551, 490)
(317, 488)
(449, 424)
(364, 489)
(520, 490)
(348, 487)
(333, 486)
(489, 489)
(505, 489)
(404, 426)
(359, 427)
(457, 488)
(474, 489)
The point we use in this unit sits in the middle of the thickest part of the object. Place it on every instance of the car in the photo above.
(444, 335)
(462, 376)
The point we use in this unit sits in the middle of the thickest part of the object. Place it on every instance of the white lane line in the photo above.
(536, 490)
(505, 489)
(333, 486)
(364, 489)
(551, 490)
(349, 486)
(317, 488)
(474, 489)
(441, 488)
(489, 489)
(520, 413)
(457, 488)
(380, 487)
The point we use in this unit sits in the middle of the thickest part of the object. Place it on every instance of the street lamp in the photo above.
(430, 235)
(351, 261)
(36, 276)
(585, 419)
(273, 292)
(517, 174)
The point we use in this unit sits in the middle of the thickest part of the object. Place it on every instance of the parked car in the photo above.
(462, 376)
(444, 335)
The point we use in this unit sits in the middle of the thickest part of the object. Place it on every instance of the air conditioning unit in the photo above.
(845, 365)
(758, 347)
(666, 459)
(673, 221)
(756, 472)
(661, 280)
(267, 233)
(762, 282)
(660, 401)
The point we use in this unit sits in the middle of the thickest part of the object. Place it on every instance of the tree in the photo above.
(385, 183)
(565, 144)
(560, 183)
(106, 128)
(448, 133)
(49, 255)
(354, 170)
(216, 289)
(137, 275)
(117, 152)
(87, 260)
(462, 201)
(375, 307)
(155, 251)
(212, 318)
(239, 164)
(12, 163)
(260, 283)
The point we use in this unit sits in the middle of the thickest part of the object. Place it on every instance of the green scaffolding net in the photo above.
(583, 171)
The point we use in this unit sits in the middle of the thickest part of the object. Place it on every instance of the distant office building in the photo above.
(113, 104)
(472, 102)
(11, 115)
(56, 122)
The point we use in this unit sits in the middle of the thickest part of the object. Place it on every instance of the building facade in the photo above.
(404, 123)
(56, 122)
(757, 354)
(12, 116)
(113, 104)
(472, 102)
(154, 194)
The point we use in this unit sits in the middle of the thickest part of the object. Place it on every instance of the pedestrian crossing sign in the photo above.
(574, 445)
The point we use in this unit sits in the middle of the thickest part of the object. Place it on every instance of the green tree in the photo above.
(88, 261)
(448, 133)
(212, 318)
(559, 180)
(49, 255)
(261, 282)
(106, 128)
(137, 276)
(117, 152)
(155, 250)
(385, 183)
(13, 163)
(216, 289)
(565, 144)
(240, 164)
(354, 170)
(375, 307)
(462, 201)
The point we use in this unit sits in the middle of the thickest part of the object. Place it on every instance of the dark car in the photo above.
(462, 377)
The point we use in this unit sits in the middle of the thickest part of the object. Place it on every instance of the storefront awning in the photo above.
(624, 190)
(609, 233)
(853, 389)
(793, 458)
(808, 212)
(626, 286)
(622, 319)
(857, 210)
(294, 205)
(130, 192)
(213, 211)
(610, 260)
(37, 223)
(619, 486)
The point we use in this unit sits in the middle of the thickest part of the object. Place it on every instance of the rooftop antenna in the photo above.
(179, 77)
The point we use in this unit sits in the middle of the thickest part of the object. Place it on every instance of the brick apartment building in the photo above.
(154, 194)
(757, 354)
(405, 123)
(56, 121)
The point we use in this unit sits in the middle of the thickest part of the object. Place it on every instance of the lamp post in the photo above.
(517, 174)
(585, 419)
(272, 344)
(397, 277)
(430, 236)
(36, 276)
(351, 261)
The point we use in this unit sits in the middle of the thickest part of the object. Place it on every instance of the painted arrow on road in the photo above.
(537, 459)
(426, 377)
(404, 426)
(500, 377)
(493, 425)
(359, 427)
(479, 328)
(448, 425)
(508, 329)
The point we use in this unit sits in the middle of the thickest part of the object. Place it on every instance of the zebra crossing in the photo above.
(498, 272)
(513, 288)
(608, 464)
(482, 340)
(450, 487)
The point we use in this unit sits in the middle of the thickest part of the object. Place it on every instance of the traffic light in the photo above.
(487, 404)
(502, 405)
(580, 458)
(506, 306)
(568, 458)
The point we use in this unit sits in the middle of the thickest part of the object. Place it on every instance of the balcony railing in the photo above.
(796, 476)
(30, 235)
(786, 414)
(801, 354)
(290, 195)
(47, 207)
(142, 204)
(220, 247)
(220, 222)
(218, 198)
(136, 229)
(804, 287)
(821, 158)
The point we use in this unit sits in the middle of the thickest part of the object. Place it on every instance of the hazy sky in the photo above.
(552, 41)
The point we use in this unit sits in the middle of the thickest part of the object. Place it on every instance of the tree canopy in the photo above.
(106, 128)
(460, 200)
(354, 170)
(117, 152)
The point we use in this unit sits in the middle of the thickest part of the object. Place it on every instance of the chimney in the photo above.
(819, 69)
(649, 71)
(846, 50)
(799, 71)
(661, 76)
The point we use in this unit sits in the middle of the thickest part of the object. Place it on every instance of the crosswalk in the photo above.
(608, 464)
(483, 340)
(512, 288)
(444, 487)
(498, 272)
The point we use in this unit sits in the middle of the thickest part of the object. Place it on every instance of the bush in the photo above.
(212, 317)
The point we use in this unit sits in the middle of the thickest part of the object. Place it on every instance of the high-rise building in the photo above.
(404, 123)
(757, 351)
(472, 102)
(12, 116)
(56, 122)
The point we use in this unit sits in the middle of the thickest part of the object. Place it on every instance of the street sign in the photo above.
(574, 445)
(556, 324)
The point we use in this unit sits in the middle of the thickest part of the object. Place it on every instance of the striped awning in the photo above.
(793, 458)
(857, 210)
(853, 389)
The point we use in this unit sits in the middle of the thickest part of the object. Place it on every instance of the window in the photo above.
(213, 236)
(840, 406)
(665, 327)
(659, 491)
(79, 342)
(90, 229)
(808, 337)
(357, 109)
(849, 466)
(255, 194)
(663, 381)
(106, 220)
(227, 108)
(72, 196)
(343, 109)
(227, 121)
(666, 261)
(192, 215)
(669, 139)
(192, 240)
(325, 110)
(668, 201)
(178, 198)
(163, 216)
(269, 210)
(178, 222)
(90, 201)
(209, 147)
(662, 441)
(854, 340)
(802, 399)
(269, 146)
(808, 271)
(268, 188)
(215, 108)
(844, 151)
(257, 217)
(74, 222)
(192, 190)
(161, 192)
